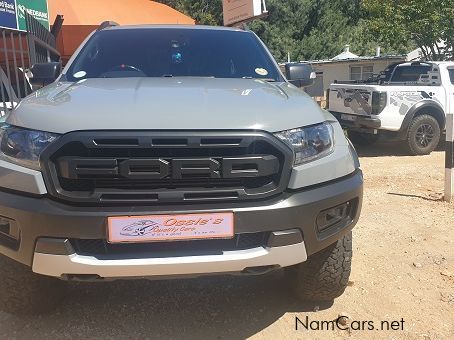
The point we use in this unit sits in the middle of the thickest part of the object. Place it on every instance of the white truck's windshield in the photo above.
(173, 52)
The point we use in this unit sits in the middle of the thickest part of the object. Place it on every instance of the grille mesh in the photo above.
(112, 168)
(239, 242)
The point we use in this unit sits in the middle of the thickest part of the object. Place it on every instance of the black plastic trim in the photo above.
(359, 121)
(54, 246)
(44, 217)
(239, 141)
(285, 238)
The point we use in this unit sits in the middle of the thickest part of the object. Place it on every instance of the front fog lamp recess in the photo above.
(10, 233)
(339, 216)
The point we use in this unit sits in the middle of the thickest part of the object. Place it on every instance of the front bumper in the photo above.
(38, 218)
(357, 122)
(80, 267)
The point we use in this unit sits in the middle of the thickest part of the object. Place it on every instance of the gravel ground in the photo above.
(403, 269)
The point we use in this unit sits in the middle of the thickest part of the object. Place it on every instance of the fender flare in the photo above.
(421, 105)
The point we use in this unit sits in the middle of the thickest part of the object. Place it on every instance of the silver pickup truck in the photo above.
(173, 151)
(408, 103)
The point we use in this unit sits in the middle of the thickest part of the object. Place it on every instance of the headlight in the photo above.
(309, 143)
(23, 147)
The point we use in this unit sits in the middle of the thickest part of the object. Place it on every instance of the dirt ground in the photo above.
(403, 271)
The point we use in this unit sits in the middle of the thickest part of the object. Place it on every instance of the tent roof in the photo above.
(94, 12)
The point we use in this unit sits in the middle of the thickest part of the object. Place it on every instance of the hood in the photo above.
(166, 104)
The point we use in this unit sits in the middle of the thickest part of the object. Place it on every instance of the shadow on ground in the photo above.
(380, 150)
(383, 149)
(438, 198)
(215, 308)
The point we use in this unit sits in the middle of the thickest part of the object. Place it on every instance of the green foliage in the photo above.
(426, 23)
(205, 12)
(319, 29)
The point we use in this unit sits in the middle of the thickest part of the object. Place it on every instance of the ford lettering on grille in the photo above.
(77, 168)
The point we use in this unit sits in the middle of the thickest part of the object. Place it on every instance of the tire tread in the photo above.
(325, 275)
(412, 147)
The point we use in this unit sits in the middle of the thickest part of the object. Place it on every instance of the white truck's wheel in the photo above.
(423, 135)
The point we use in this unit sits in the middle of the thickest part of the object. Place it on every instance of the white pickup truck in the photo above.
(407, 102)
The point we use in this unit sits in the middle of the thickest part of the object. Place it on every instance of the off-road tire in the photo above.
(324, 276)
(416, 147)
(361, 138)
(23, 292)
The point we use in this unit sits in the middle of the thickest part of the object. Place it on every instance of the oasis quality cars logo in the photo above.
(171, 225)
(140, 228)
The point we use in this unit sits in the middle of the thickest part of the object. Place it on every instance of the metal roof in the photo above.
(345, 56)
(358, 59)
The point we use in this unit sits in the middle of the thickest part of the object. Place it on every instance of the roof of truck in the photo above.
(440, 63)
(190, 27)
(447, 63)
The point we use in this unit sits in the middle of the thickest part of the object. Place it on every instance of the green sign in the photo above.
(37, 8)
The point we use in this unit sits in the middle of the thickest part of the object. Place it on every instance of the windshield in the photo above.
(173, 52)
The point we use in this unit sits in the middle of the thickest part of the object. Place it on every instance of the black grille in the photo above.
(177, 248)
(162, 167)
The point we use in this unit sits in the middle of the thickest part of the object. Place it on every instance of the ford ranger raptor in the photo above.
(169, 152)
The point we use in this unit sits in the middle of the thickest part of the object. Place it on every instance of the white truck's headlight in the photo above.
(23, 147)
(309, 143)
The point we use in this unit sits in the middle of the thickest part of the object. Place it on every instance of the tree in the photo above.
(204, 12)
(319, 29)
(307, 29)
(401, 23)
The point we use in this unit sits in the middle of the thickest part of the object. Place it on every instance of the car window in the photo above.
(173, 53)
(451, 75)
(409, 73)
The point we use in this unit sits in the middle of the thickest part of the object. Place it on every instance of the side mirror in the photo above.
(45, 73)
(300, 75)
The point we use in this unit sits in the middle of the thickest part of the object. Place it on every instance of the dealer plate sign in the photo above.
(160, 228)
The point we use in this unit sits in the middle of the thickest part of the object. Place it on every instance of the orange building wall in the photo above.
(81, 17)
